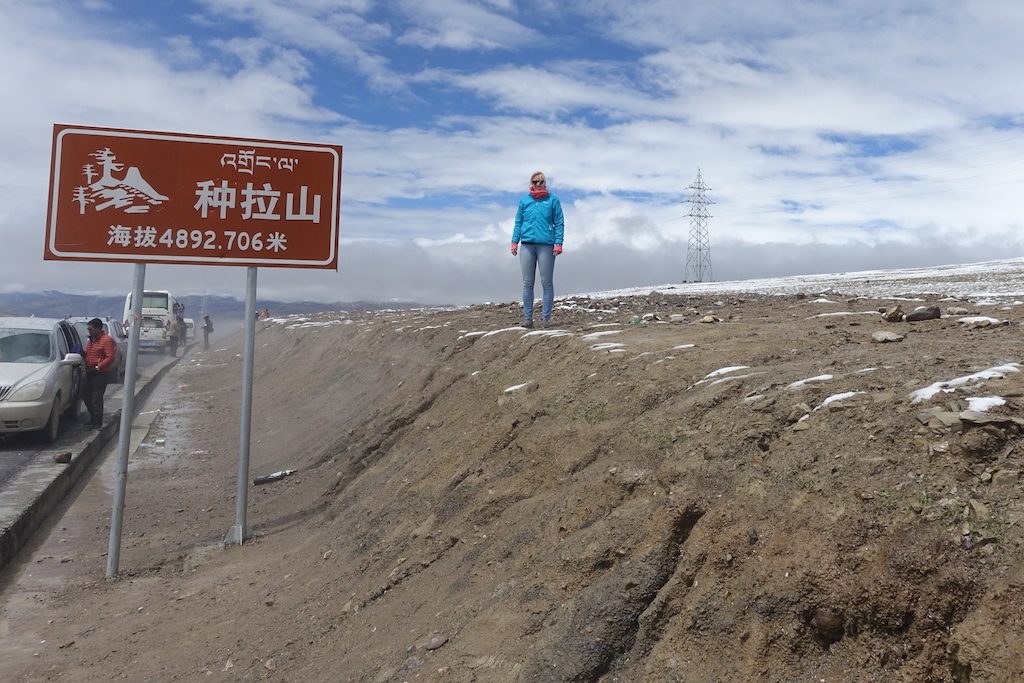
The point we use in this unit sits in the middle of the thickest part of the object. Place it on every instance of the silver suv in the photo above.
(40, 375)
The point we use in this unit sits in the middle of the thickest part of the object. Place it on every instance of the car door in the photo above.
(70, 375)
(120, 350)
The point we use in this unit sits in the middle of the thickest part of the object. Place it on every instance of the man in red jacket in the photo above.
(99, 357)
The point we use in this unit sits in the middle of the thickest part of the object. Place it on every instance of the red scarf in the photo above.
(539, 193)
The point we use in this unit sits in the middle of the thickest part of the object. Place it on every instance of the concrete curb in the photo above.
(40, 487)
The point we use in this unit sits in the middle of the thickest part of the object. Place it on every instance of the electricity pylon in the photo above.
(698, 250)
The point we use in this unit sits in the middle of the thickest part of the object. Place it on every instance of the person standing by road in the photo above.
(537, 239)
(207, 331)
(100, 353)
(172, 336)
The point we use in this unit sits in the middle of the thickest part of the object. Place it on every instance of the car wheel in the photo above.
(48, 434)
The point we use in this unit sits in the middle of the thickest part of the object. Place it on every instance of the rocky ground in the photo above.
(660, 488)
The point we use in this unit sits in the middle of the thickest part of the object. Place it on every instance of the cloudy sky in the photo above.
(834, 136)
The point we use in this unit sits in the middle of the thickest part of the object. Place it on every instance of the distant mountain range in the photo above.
(55, 304)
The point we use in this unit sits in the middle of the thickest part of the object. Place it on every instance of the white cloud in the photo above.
(337, 29)
(461, 25)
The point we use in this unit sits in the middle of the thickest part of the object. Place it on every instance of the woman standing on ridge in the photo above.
(539, 226)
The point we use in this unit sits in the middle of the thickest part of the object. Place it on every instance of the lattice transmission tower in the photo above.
(698, 250)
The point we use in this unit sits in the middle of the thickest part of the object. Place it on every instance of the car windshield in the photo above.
(25, 346)
(154, 300)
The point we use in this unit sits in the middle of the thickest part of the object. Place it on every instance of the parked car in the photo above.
(116, 330)
(190, 330)
(40, 375)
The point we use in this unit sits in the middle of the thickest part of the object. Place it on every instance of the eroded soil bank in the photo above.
(756, 497)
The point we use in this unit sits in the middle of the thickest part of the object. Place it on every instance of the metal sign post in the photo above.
(127, 414)
(238, 533)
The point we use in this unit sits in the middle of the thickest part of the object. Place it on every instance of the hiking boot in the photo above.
(528, 324)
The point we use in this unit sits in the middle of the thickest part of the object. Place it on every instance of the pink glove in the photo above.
(557, 250)
(515, 248)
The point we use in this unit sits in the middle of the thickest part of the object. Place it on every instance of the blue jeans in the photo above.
(532, 257)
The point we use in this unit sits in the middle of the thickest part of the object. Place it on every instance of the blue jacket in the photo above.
(539, 220)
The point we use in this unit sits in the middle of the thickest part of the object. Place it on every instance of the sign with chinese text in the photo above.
(150, 197)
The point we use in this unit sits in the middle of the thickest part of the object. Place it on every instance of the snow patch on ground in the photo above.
(950, 385)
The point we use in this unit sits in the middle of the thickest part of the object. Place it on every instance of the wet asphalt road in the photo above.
(18, 450)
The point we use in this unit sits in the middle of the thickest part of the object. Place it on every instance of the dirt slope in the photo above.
(620, 516)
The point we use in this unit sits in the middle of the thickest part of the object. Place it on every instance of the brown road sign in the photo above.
(151, 197)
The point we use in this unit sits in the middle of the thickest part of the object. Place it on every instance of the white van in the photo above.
(190, 330)
(157, 314)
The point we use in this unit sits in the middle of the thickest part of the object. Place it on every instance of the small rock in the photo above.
(955, 405)
(797, 411)
(677, 318)
(269, 664)
(710, 319)
(884, 336)
(1002, 478)
(924, 313)
(762, 403)
(983, 444)
(228, 665)
(828, 626)
(62, 458)
(752, 536)
(436, 642)
(986, 477)
(893, 315)
(802, 425)
(979, 418)
(957, 310)
(413, 663)
(978, 510)
(948, 419)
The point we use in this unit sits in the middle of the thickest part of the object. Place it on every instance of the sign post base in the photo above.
(237, 535)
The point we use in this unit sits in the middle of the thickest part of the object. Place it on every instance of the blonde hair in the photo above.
(541, 174)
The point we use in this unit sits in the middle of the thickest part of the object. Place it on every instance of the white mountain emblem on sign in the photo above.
(132, 193)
